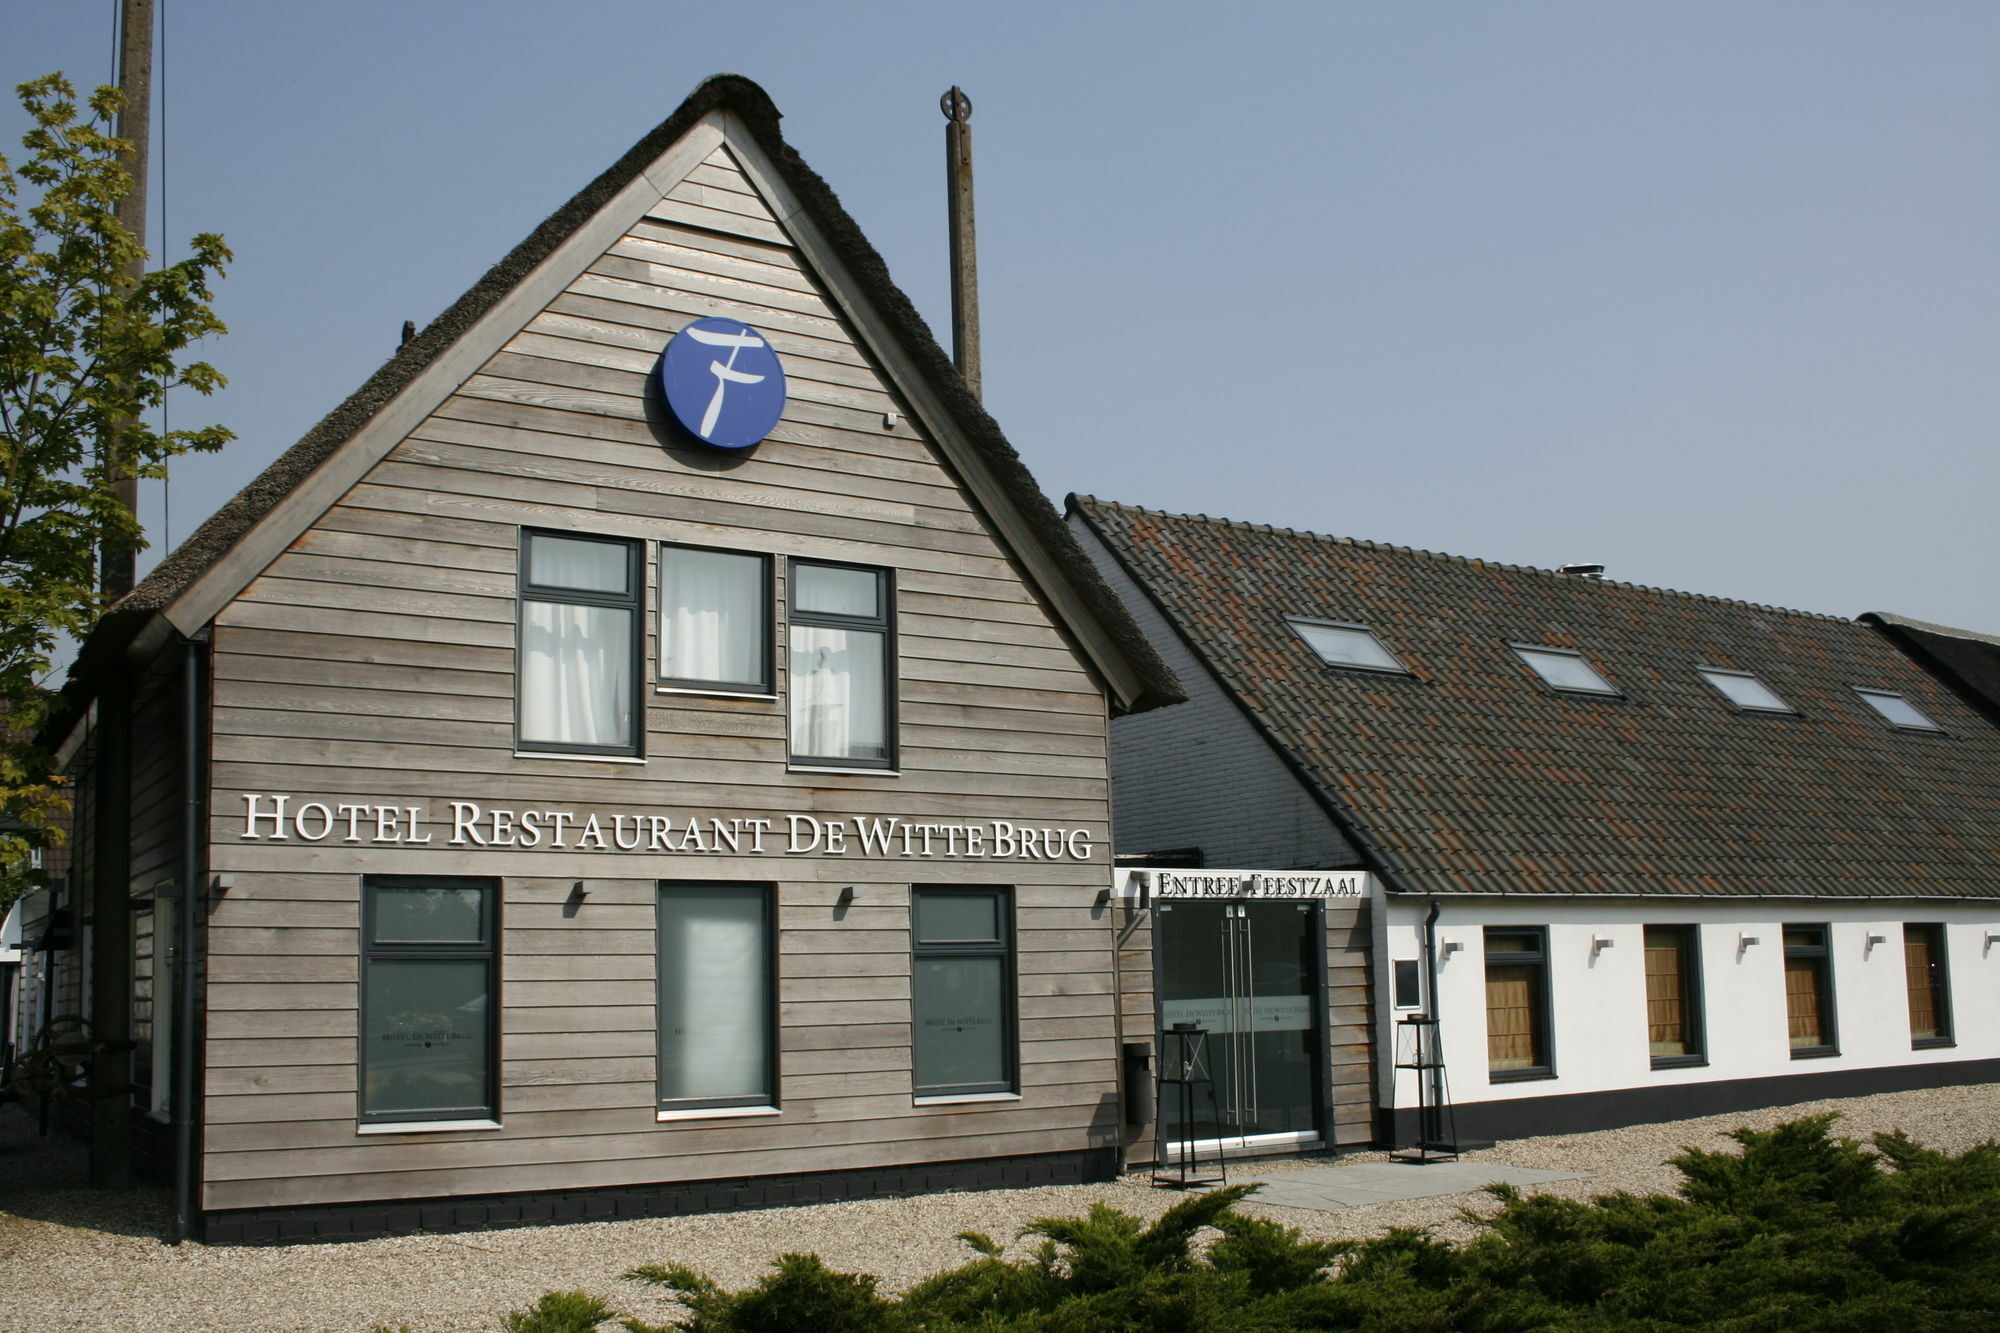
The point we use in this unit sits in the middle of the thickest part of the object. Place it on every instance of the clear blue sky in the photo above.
(1709, 292)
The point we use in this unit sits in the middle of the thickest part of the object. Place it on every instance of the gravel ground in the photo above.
(78, 1259)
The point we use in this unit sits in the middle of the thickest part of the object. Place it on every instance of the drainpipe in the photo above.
(1433, 1131)
(184, 969)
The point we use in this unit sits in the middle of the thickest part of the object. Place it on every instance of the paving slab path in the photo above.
(1355, 1184)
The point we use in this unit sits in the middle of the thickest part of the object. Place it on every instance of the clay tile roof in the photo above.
(1470, 775)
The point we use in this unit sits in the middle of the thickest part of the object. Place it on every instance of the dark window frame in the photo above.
(1006, 949)
(487, 950)
(1822, 954)
(1694, 1013)
(1521, 653)
(1785, 709)
(763, 688)
(1544, 1008)
(633, 601)
(773, 1058)
(1400, 669)
(1940, 986)
(892, 675)
(1931, 727)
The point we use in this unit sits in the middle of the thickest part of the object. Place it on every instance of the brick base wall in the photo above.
(399, 1217)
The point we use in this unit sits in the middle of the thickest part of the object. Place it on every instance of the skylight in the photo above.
(1897, 709)
(1562, 669)
(1745, 690)
(1346, 645)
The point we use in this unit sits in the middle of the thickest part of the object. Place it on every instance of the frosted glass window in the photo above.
(1563, 670)
(836, 590)
(715, 995)
(1346, 645)
(961, 991)
(1897, 709)
(587, 566)
(577, 663)
(428, 1031)
(1745, 690)
(839, 666)
(714, 619)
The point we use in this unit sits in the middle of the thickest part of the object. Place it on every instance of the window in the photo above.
(962, 990)
(1745, 690)
(1563, 670)
(1809, 991)
(1517, 1003)
(842, 649)
(715, 620)
(1673, 997)
(429, 1021)
(579, 644)
(717, 983)
(1409, 986)
(1924, 976)
(1346, 645)
(1898, 710)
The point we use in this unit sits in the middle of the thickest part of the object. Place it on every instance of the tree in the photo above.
(89, 342)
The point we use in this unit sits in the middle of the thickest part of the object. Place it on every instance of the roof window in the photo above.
(1745, 690)
(1900, 711)
(1346, 645)
(1561, 669)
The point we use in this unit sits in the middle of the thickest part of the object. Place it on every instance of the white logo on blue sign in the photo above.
(723, 382)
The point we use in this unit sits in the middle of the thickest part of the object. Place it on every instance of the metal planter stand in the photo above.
(1184, 1068)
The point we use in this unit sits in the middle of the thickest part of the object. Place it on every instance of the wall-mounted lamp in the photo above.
(1598, 944)
(1743, 942)
(1451, 947)
(1992, 938)
(222, 883)
(1869, 942)
(851, 894)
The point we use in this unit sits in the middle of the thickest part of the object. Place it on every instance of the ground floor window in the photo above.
(1924, 976)
(1809, 991)
(962, 990)
(717, 985)
(1673, 996)
(1517, 1003)
(429, 1017)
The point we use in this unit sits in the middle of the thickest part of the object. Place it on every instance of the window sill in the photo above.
(586, 758)
(1680, 1062)
(427, 1126)
(846, 772)
(715, 693)
(1932, 1043)
(1815, 1052)
(1518, 1075)
(715, 1113)
(965, 1098)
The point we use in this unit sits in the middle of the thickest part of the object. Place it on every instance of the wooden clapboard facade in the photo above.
(354, 618)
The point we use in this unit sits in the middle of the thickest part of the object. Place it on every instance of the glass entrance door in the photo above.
(1246, 972)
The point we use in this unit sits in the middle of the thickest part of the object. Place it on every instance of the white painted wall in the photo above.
(1598, 1003)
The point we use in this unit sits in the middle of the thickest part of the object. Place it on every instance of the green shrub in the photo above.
(559, 1312)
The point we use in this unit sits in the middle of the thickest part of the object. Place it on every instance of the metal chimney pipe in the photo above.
(957, 108)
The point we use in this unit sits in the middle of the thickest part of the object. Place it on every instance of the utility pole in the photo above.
(116, 564)
(111, 761)
(957, 108)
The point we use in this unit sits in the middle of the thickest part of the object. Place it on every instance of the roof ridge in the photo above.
(1931, 627)
(1368, 544)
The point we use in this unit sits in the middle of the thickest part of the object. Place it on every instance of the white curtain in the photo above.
(561, 562)
(711, 617)
(837, 693)
(576, 674)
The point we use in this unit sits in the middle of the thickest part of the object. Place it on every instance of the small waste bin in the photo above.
(1138, 1062)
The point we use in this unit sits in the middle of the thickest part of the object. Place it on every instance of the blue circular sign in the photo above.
(723, 382)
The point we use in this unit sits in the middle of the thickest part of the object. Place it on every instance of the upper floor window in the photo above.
(1745, 690)
(578, 658)
(715, 620)
(1346, 645)
(842, 655)
(1898, 710)
(1561, 669)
